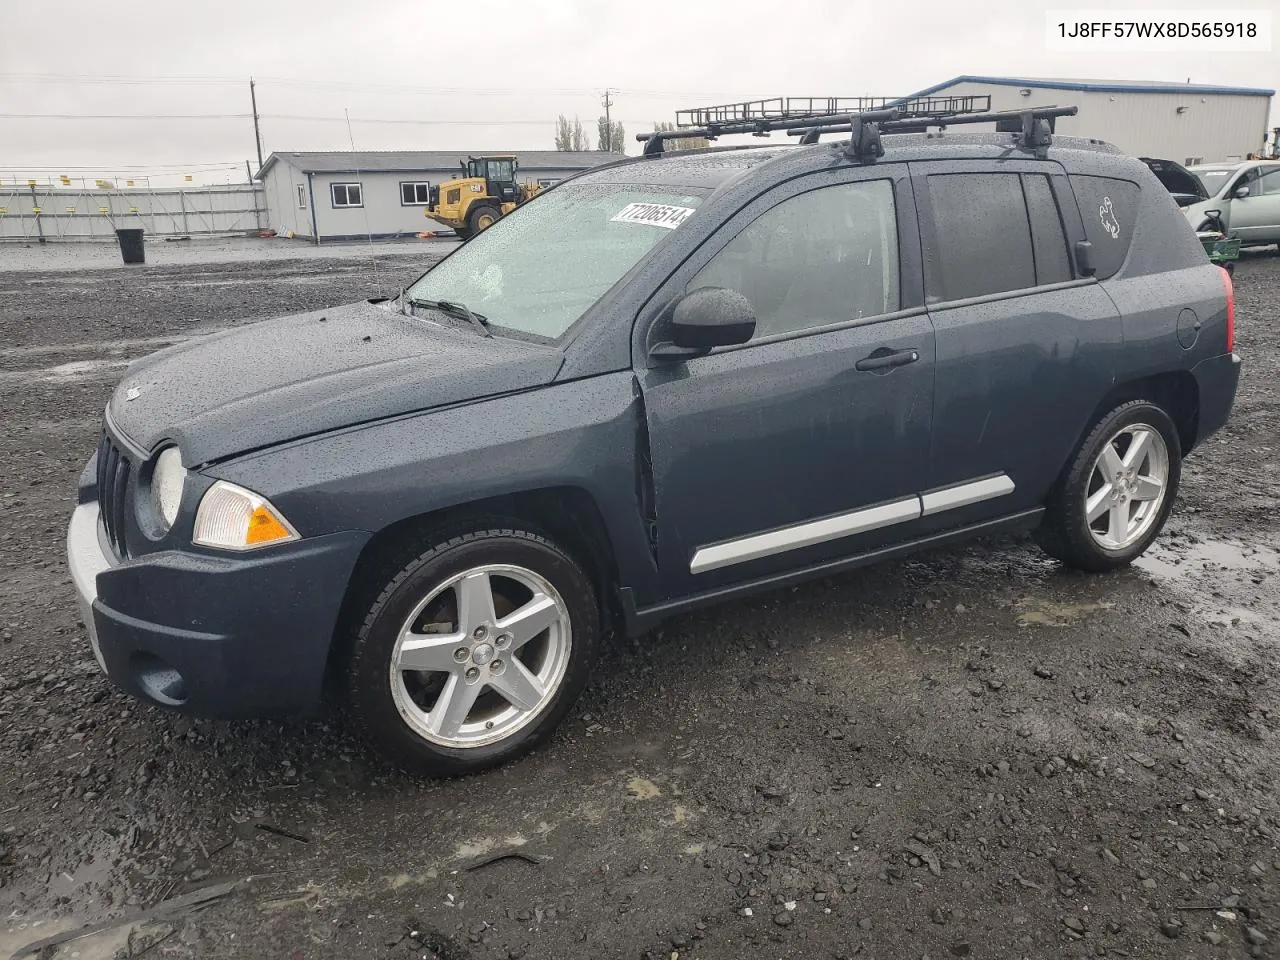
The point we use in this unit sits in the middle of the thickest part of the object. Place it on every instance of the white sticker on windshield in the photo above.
(655, 214)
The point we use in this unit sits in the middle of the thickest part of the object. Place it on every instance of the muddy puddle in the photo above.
(1181, 559)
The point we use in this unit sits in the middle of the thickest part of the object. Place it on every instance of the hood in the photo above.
(1197, 213)
(1178, 180)
(239, 390)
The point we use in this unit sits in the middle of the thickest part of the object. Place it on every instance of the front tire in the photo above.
(1117, 492)
(473, 653)
(482, 218)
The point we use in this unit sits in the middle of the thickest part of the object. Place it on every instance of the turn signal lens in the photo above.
(265, 527)
(233, 518)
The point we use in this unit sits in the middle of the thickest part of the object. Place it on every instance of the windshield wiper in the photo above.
(455, 309)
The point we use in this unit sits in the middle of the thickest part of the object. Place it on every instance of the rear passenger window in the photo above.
(1048, 239)
(1109, 208)
(826, 256)
(983, 239)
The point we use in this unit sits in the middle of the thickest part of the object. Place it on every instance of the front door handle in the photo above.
(884, 359)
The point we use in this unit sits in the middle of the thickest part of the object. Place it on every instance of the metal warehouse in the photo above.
(1186, 122)
(340, 195)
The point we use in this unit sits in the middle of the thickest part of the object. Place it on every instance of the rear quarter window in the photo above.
(1109, 208)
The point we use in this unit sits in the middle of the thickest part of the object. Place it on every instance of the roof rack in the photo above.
(789, 108)
(760, 117)
(1035, 126)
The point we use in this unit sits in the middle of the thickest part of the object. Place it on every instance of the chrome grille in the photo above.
(113, 485)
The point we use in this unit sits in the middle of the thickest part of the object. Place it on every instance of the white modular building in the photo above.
(1187, 122)
(345, 195)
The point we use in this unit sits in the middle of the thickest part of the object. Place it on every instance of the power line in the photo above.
(152, 167)
(274, 117)
(125, 116)
(424, 123)
(114, 79)
(346, 85)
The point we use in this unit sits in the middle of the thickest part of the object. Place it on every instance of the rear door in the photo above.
(1023, 345)
(1257, 216)
(808, 442)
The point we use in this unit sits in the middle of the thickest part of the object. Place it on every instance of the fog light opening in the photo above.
(158, 680)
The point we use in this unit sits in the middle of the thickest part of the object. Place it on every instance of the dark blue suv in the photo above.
(665, 383)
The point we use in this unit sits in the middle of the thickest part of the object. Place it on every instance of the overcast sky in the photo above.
(521, 65)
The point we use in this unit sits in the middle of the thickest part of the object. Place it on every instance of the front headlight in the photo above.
(167, 480)
(233, 518)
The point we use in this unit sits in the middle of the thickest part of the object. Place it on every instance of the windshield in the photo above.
(541, 267)
(1213, 180)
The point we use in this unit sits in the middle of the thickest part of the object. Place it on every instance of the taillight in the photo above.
(1231, 310)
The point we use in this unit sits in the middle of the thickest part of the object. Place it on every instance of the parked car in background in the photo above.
(1246, 197)
(1183, 185)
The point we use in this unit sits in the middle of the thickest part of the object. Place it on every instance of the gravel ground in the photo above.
(968, 753)
(62, 256)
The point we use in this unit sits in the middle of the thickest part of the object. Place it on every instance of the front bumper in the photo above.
(236, 636)
(1217, 380)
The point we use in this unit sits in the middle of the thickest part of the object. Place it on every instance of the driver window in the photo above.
(823, 257)
(1268, 185)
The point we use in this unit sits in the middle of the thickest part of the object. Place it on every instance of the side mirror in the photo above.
(1240, 192)
(1084, 259)
(705, 318)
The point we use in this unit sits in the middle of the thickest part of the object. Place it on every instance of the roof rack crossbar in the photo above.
(653, 141)
(1034, 126)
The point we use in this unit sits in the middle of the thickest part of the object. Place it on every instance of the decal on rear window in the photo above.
(655, 214)
(1107, 214)
(1109, 208)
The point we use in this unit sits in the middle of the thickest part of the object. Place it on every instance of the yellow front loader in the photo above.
(486, 191)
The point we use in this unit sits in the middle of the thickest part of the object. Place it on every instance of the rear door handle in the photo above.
(884, 359)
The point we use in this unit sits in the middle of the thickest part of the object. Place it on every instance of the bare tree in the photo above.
(570, 135)
(564, 133)
(680, 143)
(610, 136)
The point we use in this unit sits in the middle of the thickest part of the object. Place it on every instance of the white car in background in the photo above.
(1246, 197)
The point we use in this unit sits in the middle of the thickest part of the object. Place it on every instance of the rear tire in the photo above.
(1116, 493)
(473, 653)
(464, 233)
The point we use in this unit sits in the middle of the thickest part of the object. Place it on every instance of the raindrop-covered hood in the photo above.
(243, 389)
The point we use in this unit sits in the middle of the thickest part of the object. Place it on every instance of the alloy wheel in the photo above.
(1127, 486)
(481, 656)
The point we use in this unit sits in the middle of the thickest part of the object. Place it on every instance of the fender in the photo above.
(581, 434)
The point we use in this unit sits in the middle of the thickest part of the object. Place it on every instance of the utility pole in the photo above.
(608, 125)
(257, 135)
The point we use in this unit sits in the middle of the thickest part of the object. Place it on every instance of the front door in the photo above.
(1256, 218)
(501, 180)
(808, 442)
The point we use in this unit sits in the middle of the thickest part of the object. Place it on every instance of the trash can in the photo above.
(131, 246)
